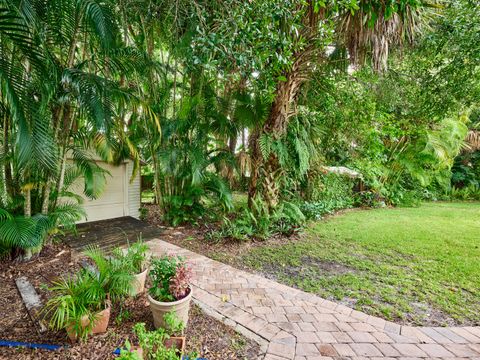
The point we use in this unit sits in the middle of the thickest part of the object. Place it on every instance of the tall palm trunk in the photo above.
(27, 212)
(46, 198)
(3, 172)
(255, 163)
(9, 186)
(283, 107)
(232, 146)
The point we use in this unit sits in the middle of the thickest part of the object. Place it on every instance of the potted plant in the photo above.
(158, 344)
(81, 303)
(171, 290)
(134, 259)
(130, 352)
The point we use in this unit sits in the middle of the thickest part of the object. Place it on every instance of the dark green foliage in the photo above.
(60, 99)
(470, 192)
(466, 170)
(180, 84)
(20, 232)
(259, 223)
(74, 298)
(113, 274)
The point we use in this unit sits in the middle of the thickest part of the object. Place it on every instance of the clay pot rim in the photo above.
(142, 272)
(107, 311)
(176, 302)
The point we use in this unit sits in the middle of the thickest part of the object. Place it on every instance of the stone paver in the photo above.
(291, 324)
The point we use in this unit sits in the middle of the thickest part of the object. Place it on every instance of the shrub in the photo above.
(471, 192)
(258, 223)
(29, 233)
(114, 275)
(86, 293)
(331, 188)
(170, 277)
(316, 210)
(153, 342)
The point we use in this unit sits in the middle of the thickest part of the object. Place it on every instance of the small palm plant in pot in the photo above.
(81, 303)
(134, 259)
(171, 290)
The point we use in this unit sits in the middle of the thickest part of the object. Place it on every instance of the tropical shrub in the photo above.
(80, 297)
(18, 232)
(260, 223)
(471, 192)
(60, 104)
(114, 275)
(170, 276)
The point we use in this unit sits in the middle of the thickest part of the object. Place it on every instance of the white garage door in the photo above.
(111, 203)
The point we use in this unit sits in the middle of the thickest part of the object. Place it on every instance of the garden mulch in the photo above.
(208, 337)
(193, 237)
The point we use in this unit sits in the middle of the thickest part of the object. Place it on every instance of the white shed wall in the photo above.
(134, 192)
(120, 197)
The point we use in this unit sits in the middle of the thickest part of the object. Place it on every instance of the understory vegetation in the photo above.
(305, 107)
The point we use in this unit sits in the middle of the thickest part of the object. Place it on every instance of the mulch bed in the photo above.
(210, 338)
(192, 237)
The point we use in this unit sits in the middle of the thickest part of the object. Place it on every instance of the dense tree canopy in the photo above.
(257, 96)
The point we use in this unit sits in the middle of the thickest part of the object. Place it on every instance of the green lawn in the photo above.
(420, 265)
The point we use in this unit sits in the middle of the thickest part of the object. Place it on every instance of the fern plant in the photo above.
(27, 233)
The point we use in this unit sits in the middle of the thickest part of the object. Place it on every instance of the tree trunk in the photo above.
(9, 187)
(255, 164)
(46, 197)
(4, 192)
(156, 173)
(232, 145)
(283, 107)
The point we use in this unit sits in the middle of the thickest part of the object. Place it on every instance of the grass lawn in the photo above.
(418, 265)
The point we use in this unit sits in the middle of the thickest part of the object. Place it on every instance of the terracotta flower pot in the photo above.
(138, 350)
(160, 308)
(177, 343)
(138, 285)
(100, 325)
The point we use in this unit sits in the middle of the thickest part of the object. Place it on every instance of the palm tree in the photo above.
(60, 97)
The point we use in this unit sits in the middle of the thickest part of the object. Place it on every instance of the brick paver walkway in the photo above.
(291, 324)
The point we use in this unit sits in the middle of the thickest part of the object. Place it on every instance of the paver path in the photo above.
(291, 324)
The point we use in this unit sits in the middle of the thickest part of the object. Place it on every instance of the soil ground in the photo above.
(210, 338)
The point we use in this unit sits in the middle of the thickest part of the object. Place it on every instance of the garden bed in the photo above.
(205, 335)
